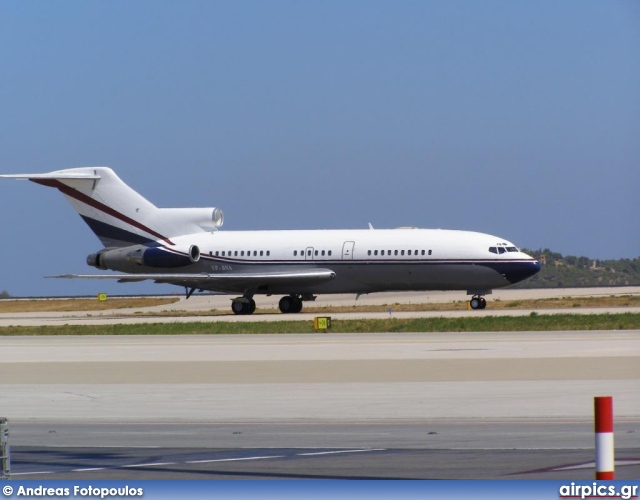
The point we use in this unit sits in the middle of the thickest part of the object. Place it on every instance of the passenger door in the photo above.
(308, 253)
(347, 250)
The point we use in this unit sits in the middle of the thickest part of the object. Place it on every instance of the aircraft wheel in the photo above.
(290, 304)
(297, 304)
(483, 303)
(286, 305)
(241, 307)
(475, 303)
(237, 307)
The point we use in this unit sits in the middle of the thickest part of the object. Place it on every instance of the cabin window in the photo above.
(375, 252)
(396, 252)
(402, 252)
(493, 249)
(295, 253)
(501, 250)
(268, 253)
(235, 253)
(309, 253)
(512, 249)
(429, 252)
(323, 253)
(368, 252)
(329, 252)
(316, 253)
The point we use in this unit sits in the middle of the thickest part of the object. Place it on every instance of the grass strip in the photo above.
(533, 322)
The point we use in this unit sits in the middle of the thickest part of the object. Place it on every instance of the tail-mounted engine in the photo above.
(123, 259)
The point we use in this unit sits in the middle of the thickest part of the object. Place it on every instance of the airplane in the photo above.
(185, 247)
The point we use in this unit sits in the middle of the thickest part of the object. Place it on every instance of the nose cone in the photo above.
(519, 271)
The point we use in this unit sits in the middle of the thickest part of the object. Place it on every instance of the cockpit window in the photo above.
(503, 249)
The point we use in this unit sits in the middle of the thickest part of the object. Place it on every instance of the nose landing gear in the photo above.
(478, 302)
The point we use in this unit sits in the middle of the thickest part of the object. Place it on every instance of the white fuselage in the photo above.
(363, 260)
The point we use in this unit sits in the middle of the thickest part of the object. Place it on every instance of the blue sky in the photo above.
(515, 118)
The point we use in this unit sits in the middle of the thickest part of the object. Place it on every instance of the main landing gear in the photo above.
(478, 302)
(243, 305)
(288, 304)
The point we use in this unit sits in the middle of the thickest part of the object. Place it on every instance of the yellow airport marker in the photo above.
(321, 322)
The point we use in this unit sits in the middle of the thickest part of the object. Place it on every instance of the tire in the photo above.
(237, 307)
(286, 305)
(297, 305)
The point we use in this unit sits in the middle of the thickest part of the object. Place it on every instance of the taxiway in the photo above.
(454, 405)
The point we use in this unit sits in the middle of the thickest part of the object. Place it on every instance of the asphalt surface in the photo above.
(441, 406)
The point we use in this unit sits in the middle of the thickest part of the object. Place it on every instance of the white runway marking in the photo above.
(591, 465)
(147, 465)
(232, 459)
(240, 459)
(337, 451)
(37, 472)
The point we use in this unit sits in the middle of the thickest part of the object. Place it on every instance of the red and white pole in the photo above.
(605, 461)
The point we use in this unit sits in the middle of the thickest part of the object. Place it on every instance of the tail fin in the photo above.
(118, 215)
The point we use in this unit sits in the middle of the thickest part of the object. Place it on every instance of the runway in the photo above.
(441, 406)
(269, 304)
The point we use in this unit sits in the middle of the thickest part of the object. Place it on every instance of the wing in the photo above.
(231, 282)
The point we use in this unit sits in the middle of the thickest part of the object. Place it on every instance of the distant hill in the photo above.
(560, 271)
